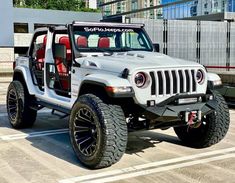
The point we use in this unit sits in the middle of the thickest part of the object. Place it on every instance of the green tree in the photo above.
(69, 5)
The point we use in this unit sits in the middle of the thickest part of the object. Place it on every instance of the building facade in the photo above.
(130, 5)
(171, 9)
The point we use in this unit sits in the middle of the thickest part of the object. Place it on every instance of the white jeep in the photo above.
(109, 79)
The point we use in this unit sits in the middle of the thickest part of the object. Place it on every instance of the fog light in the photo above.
(151, 103)
(211, 97)
(200, 99)
(187, 100)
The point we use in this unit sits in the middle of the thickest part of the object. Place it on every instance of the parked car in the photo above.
(108, 78)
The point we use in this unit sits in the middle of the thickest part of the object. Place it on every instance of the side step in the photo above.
(53, 112)
(54, 107)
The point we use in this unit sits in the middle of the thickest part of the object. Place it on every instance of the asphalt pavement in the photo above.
(44, 154)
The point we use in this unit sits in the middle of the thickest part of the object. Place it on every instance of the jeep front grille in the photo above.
(169, 82)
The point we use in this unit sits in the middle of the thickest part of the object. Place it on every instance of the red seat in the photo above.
(82, 42)
(103, 42)
(41, 54)
(63, 70)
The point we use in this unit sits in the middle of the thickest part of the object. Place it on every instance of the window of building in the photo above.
(134, 5)
(36, 26)
(21, 28)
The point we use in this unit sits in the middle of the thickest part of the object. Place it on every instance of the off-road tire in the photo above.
(111, 131)
(23, 116)
(215, 129)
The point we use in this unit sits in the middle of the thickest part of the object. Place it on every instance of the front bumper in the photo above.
(171, 111)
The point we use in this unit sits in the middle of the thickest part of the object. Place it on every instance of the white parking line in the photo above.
(46, 111)
(129, 170)
(33, 134)
(3, 115)
(160, 169)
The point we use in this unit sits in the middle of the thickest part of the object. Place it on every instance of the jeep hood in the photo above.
(134, 60)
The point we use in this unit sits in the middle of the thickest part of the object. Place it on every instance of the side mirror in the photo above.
(156, 47)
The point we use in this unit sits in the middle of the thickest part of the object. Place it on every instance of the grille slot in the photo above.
(187, 81)
(174, 77)
(181, 81)
(168, 82)
(171, 82)
(153, 87)
(160, 82)
(194, 80)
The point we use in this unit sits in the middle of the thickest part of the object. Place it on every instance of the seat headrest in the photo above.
(104, 42)
(82, 42)
(65, 41)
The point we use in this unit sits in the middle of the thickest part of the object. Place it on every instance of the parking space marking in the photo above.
(3, 115)
(140, 168)
(46, 111)
(160, 169)
(33, 134)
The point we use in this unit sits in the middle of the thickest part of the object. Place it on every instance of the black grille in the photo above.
(173, 82)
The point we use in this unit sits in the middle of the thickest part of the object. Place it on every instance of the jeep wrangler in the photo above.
(109, 79)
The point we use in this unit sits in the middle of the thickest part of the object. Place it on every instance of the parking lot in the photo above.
(44, 154)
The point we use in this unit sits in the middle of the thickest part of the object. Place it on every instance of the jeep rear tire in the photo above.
(213, 130)
(18, 106)
(98, 132)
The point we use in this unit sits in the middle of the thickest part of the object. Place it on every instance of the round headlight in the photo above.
(200, 76)
(140, 79)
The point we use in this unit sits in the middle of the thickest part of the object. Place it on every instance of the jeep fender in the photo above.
(103, 80)
(25, 75)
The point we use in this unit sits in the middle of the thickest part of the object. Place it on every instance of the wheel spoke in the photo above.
(84, 141)
(13, 107)
(90, 147)
(83, 119)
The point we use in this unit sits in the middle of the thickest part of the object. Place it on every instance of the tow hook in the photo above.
(193, 119)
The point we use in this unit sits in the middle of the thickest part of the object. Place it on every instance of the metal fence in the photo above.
(232, 44)
(206, 42)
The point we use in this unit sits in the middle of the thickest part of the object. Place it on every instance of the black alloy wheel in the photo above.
(85, 131)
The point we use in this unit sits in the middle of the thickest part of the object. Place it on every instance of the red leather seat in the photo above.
(41, 55)
(104, 42)
(63, 68)
(82, 42)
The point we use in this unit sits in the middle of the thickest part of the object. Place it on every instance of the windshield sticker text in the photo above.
(98, 29)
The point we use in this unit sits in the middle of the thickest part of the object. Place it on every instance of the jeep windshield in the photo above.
(110, 39)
